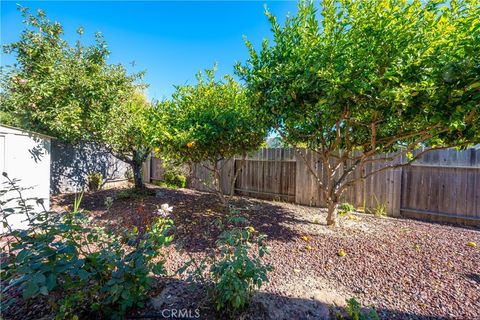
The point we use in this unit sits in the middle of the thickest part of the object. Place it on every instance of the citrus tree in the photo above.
(128, 133)
(209, 122)
(61, 90)
(73, 94)
(358, 79)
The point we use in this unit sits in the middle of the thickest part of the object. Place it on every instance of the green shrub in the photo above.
(108, 202)
(238, 271)
(82, 270)
(345, 208)
(134, 193)
(174, 180)
(94, 181)
(380, 209)
(355, 312)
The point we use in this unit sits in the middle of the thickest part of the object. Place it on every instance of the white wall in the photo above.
(25, 156)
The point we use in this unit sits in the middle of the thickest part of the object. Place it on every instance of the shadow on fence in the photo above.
(71, 164)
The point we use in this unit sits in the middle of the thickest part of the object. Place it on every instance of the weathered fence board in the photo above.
(156, 169)
(267, 174)
(443, 185)
(441, 190)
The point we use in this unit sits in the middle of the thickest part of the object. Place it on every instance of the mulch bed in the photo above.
(405, 269)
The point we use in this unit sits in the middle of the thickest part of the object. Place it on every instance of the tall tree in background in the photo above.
(209, 122)
(128, 133)
(73, 94)
(366, 78)
(57, 89)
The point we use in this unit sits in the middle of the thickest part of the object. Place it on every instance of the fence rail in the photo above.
(443, 185)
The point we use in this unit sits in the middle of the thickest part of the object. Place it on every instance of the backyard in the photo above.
(318, 161)
(406, 269)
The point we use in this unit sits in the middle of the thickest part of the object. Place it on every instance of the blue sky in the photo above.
(170, 40)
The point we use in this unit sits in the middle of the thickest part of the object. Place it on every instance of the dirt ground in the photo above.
(403, 268)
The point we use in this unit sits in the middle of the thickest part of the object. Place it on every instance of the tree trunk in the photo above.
(237, 173)
(137, 175)
(218, 185)
(332, 212)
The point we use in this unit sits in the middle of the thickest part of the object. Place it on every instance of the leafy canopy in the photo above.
(371, 75)
(61, 90)
(129, 129)
(209, 121)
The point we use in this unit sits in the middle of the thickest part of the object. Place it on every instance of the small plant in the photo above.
(355, 312)
(94, 181)
(81, 270)
(345, 208)
(108, 202)
(174, 180)
(380, 209)
(134, 193)
(238, 271)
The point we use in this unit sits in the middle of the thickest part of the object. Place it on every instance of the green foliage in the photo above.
(108, 202)
(94, 181)
(134, 193)
(128, 133)
(209, 121)
(238, 271)
(407, 70)
(355, 79)
(354, 310)
(237, 274)
(58, 89)
(72, 93)
(345, 208)
(380, 209)
(81, 270)
(175, 180)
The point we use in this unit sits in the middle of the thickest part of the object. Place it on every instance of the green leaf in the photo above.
(31, 289)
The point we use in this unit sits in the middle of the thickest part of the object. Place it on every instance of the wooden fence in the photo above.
(443, 185)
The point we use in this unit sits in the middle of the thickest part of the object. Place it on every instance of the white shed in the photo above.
(25, 155)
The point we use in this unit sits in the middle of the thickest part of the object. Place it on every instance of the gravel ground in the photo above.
(405, 269)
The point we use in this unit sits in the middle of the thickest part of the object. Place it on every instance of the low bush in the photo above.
(81, 270)
(134, 193)
(174, 180)
(380, 210)
(356, 312)
(345, 208)
(94, 181)
(239, 270)
(108, 202)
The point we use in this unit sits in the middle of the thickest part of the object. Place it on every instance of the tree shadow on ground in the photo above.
(198, 215)
(191, 302)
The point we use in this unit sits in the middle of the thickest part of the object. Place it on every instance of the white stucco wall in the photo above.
(25, 156)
